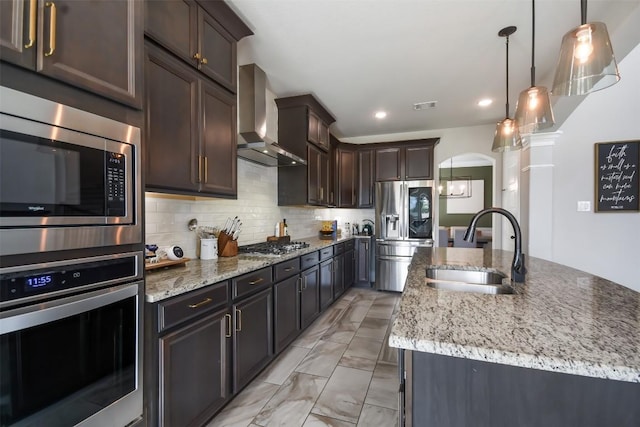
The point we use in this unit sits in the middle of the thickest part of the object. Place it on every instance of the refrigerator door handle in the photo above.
(405, 210)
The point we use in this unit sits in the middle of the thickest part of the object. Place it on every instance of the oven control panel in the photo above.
(41, 281)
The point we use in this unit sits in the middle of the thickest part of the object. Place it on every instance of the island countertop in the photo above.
(166, 283)
(561, 319)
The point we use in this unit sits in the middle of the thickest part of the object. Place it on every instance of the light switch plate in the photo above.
(584, 206)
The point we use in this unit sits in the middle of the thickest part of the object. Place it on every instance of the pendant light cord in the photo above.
(507, 67)
(583, 11)
(533, 42)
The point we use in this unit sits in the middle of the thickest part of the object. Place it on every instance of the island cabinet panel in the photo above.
(96, 46)
(366, 179)
(286, 312)
(461, 392)
(252, 337)
(194, 366)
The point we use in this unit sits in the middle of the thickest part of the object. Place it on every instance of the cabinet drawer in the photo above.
(251, 282)
(338, 248)
(309, 260)
(286, 269)
(326, 253)
(185, 307)
(349, 245)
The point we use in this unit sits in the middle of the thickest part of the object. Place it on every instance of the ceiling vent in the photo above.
(424, 105)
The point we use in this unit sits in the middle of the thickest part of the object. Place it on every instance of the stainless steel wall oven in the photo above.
(71, 267)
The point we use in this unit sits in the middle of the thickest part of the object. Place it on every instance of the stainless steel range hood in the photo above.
(253, 143)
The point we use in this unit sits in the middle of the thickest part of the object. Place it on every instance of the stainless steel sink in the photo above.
(486, 282)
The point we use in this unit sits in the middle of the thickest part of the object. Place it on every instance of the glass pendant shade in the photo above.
(507, 136)
(586, 61)
(533, 110)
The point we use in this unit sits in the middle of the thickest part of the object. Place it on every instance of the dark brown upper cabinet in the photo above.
(301, 120)
(347, 175)
(406, 160)
(96, 46)
(190, 145)
(366, 178)
(202, 34)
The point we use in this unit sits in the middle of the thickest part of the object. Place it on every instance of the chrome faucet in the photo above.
(518, 270)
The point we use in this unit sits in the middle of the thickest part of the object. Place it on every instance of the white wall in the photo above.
(257, 207)
(605, 244)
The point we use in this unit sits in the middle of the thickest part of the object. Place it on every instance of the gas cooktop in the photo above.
(272, 248)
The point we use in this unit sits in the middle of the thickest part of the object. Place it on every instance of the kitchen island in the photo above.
(563, 349)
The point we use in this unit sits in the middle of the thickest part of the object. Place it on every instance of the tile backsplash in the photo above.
(256, 206)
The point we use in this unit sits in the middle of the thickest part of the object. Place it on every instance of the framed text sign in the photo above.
(617, 183)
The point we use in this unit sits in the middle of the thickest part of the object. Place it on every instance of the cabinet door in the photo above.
(365, 179)
(171, 104)
(313, 175)
(363, 260)
(217, 51)
(18, 31)
(325, 189)
(326, 284)
(419, 162)
(389, 164)
(96, 45)
(219, 147)
(338, 276)
(174, 25)
(286, 313)
(346, 178)
(313, 124)
(323, 134)
(349, 268)
(194, 371)
(309, 297)
(252, 337)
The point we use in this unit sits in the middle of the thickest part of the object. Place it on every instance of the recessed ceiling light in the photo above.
(380, 115)
(485, 102)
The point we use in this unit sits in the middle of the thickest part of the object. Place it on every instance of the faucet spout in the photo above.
(518, 270)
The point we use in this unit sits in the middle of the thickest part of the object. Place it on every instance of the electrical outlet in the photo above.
(584, 206)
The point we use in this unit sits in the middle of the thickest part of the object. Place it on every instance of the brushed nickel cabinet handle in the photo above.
(288, 269)
(32, 24)
(299, 285)
(206, 169)
(255, 282)
(238, 320)
(52, 28)
(228, 317)
(201, 303)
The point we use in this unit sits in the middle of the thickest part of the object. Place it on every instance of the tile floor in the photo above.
(340, 372)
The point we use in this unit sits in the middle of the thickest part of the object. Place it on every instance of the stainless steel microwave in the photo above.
(69, 179)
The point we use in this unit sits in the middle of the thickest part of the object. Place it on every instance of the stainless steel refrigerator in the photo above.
(404, 212)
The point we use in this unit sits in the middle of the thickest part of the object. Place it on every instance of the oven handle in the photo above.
(38, 314)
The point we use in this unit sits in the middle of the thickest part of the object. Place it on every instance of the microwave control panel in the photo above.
(115, 183)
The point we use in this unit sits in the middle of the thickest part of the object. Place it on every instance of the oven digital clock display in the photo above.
(39, 282)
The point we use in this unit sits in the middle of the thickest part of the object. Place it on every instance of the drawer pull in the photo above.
(32, 24)
(52, 28)
(201, 303)
(288, 269)
(228, 333)
(255, 282)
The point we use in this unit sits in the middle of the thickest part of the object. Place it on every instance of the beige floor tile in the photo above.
(342, 331)
(314, 333)
(373, 328)
(241, 410)
(344, 394)
(291, 405)
(280, 369)
(314, 420)
(375, 416)
(322, 359)
(383, 390)
(357, 363)
(380, 311)
(364, 347)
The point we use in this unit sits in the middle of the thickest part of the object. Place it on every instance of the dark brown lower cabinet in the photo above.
(252, 337)
(286, 312)
(326, 284)
(194, 364)
(309, 296)
(363, 255)
(450, 391)
(338, 276)
(349, 268)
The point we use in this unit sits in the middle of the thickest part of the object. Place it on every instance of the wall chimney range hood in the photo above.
(253, 143)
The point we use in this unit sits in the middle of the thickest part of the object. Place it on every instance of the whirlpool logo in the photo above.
(36, 208)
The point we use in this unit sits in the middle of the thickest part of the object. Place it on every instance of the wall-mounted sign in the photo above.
(617, 183)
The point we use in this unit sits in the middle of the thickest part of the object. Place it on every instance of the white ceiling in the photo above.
(359, 56)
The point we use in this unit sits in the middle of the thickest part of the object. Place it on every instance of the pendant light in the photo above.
(507, 135)
(586, 61)
(533, 110)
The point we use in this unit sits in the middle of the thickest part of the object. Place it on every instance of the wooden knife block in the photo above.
(227, 247)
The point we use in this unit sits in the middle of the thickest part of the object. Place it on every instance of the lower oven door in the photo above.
(73, 361)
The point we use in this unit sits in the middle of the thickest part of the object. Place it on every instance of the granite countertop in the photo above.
(169, 282)
(561, 319)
